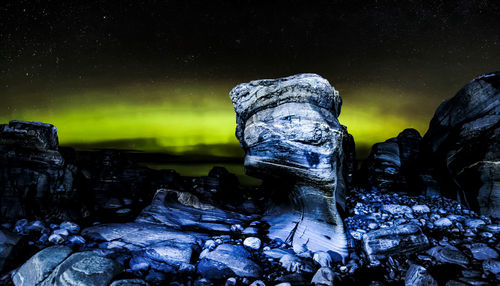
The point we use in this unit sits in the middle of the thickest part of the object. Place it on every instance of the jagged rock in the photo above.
(392, 164)
(399, 240)
(418, 275)
(461, 146)
(34, 178)
(40, 266)
(289, 131)
(83, 268)
(228, 260)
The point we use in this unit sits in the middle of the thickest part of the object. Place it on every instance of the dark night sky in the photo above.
(94, 63)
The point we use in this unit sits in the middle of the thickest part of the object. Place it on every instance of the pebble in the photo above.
(420, 209)
(70, 227)
(258, 283)
(443, 222)
(474, 223)
(61, 232)
(56, 239)
(230, 282)
(252, 242)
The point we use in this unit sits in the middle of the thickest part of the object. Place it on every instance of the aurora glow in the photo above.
(178, 116)
(155, 75)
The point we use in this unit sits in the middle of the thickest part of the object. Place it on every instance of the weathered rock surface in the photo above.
(392, 164)
(289, 131)
(461, 146)
(418, 275)
(228, 260)
(41, 265)
(57, 266)
(185, 211)
(400, 239)
(83, 268)
(34, 178)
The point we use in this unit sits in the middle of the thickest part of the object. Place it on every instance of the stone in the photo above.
(443, 222)
(71, 227)
(226, 261)
(258, 283)
(481, 251)
(324, 277)
(40, 265)
(492, 266)
(461, 146)
(420, 209)
(56, 238)
(177, 210)
(83, 268)
(230, 281)
(252, 242)
(448, 254)
(289, 131)
(323, 259)
(396, 209)
(418, 275)
(129, 282)
(474, 223)
(401, 239)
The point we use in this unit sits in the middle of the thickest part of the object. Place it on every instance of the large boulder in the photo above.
(34, 178)
(57, 266)
(461, 148)
(292, 140)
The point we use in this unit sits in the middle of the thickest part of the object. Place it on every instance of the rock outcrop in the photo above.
(289, 131)
(462, 145)
(35, 181)
(392, 164)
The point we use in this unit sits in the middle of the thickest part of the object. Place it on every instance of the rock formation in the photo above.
(462, 147)
(289, 131)
(392, 164)
(34, 179)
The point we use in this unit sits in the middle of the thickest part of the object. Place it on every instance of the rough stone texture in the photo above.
(418, 275)
(184, 211)
(34, 178)
(289, 131)
(461, 146)
(83, 268)
(129, 282)
(153, 244)
(399, 239)
(392, 164)
(8, 242)
(228, 260)
(40, 266)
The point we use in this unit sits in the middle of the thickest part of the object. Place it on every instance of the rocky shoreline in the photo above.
(420, 211)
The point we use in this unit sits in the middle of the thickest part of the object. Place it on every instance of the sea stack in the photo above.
(292, 139)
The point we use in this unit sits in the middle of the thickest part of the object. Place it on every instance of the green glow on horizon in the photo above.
(179, 115)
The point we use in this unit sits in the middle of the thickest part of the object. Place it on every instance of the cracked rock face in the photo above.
(462, 144)
(289, 130)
